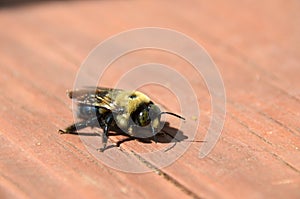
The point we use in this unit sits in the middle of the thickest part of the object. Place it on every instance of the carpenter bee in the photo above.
(128, 110)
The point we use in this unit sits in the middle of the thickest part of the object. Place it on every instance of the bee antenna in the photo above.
(170, 113)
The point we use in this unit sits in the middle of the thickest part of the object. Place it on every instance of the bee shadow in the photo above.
(167, 134)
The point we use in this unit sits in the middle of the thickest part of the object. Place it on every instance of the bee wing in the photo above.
(96, 96)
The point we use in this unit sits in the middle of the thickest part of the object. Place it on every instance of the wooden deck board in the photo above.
(256, 48)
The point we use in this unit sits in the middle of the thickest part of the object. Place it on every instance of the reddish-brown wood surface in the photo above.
(255, 46)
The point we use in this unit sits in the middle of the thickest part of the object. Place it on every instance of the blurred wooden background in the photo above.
(255, 46)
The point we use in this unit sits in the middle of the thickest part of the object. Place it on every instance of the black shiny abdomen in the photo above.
(86, 112)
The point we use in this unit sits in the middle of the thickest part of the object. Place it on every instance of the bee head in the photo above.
(150, 114)
(145, 113)
(155, 115)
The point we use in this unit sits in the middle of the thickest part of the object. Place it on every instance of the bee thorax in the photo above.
(122, 121)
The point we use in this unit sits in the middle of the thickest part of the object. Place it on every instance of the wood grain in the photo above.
(256, 48)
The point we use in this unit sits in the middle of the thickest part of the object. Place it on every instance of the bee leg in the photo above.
(154, 135)
(79, 125)
(108, 120)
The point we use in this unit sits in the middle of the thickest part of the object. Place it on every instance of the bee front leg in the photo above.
(107, 123)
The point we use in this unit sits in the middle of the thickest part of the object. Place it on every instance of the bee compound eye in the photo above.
(144, 118)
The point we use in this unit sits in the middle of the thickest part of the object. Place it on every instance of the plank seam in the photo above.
(266, 141)
(167, 177)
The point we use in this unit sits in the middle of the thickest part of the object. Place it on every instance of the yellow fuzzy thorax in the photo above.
(131, 100)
